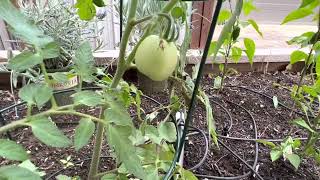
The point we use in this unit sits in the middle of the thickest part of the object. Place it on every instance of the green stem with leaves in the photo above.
(47, 79)
(59, 111)
(122, 66)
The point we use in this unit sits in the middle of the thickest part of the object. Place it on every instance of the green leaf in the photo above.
(31, 167)
(294, 160)
(83, 133)
(60, 77)
(152, 133)
(21, 26)
(224, 16)
(227, 28)
(109, 177)
(117, 113)
(297, 14)
(303, 39)
(51, 50)
(187, 175)
(119, 138)
(84, 62)
(275, 155)
(217, 82)
(250, 49)
(248, 7)
(48, 133)
(221, 67)
(17, 173)
(210, 119)
(24, 61)
(302, 123)
(212, 48)
(177, 12)
(167, 131)
(297, 56)
(304, 3)
(266, 143)
(275, 101)
(99, 3)
(236, 33)
(255, 26)
(63, 177)
(88, 98)
(318, 63)
(86, 9)
(296, 143)
(37, 94)
(13, 151)
(236, 54)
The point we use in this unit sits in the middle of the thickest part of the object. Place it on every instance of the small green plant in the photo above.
(144, 150)
(228, 43)
(286, 150)
(306, 97)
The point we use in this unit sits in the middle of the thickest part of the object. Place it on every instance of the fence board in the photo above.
(206, 21)
(196, 21)
(4, 35)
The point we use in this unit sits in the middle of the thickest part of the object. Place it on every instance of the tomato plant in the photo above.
(305, 96)
(132, 145)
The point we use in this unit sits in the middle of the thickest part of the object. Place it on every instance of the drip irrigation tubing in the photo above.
(269, 97)
(252, 168)
(228, 113)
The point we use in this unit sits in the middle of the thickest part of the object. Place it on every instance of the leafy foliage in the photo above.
(84, 62)
(48, 133)
(17, 173)
(36, 94)
(21, 26)
(227, 44)
(83, 133)
(11, 150)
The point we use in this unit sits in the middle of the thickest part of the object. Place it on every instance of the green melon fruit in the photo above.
(156, 58)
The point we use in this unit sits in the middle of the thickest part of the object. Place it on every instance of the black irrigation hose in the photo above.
(228, 113)
(206, 151)
(269, 97)
(252, 168)
(195, 91)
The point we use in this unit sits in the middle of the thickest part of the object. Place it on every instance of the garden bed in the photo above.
(272, 123)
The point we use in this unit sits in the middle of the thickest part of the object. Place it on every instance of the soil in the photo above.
(272, 123)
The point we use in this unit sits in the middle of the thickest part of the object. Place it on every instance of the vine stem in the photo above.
(46, 77)
(59, 111)
(304, 71)
(122, 66)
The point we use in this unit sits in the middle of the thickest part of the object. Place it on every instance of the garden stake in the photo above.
(195, 90)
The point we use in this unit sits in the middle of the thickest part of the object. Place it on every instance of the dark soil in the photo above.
(271, 123)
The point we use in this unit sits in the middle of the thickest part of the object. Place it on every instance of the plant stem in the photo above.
(46, 77)
(225, 66)
(58, 111)
(95, 161)
(123, 64)
(121, 68)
